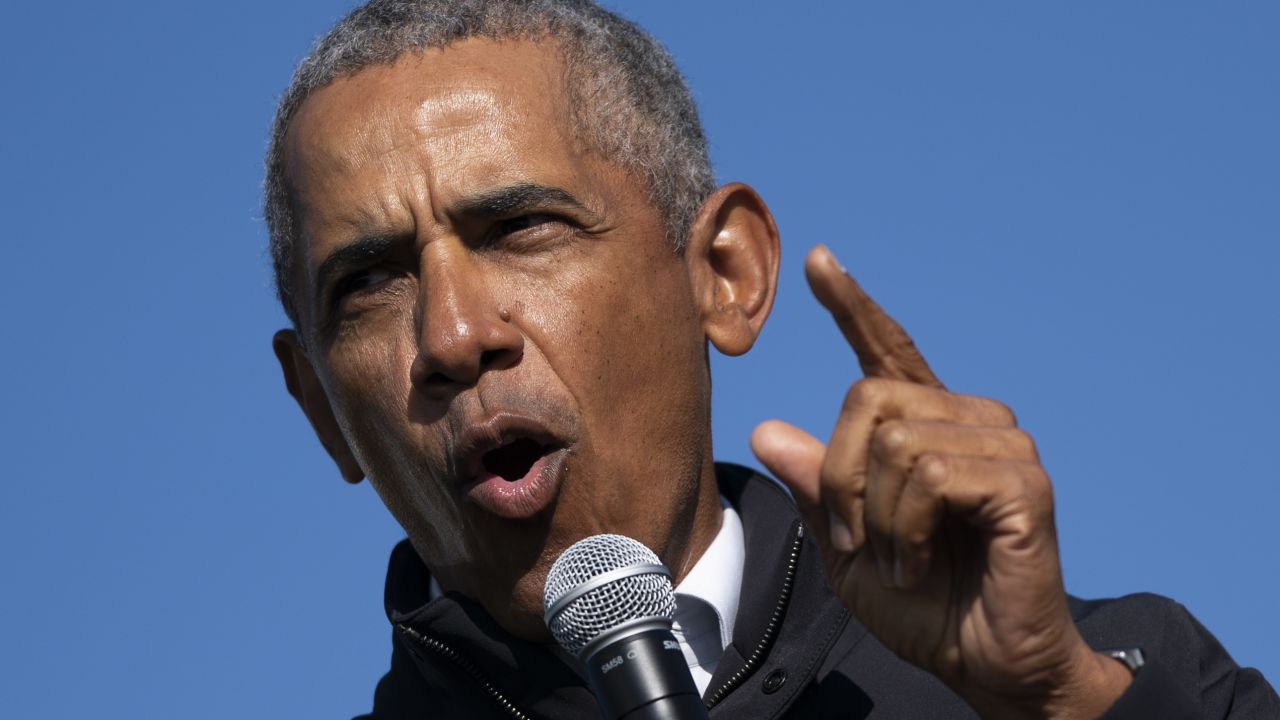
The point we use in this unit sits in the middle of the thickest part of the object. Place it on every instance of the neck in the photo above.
(701, 528)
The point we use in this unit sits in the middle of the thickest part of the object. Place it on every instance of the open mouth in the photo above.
(513, 460)
(511, 466)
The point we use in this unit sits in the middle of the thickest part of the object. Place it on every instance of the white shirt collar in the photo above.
(707, 599)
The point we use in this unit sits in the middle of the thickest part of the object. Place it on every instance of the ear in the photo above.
(733, 255)
(304, 385)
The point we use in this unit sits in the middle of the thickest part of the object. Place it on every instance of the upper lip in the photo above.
(476, 439)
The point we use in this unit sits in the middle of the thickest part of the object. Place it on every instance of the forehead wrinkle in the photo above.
(452, 123)
(380, 209)
(457, 108)
(434, 127)
(359, 126)
(343, 126)
(336, 147)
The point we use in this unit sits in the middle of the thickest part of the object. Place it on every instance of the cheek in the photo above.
(629, 346)
(370, 381)
(649, 338)
(371, 374)
(612, 329)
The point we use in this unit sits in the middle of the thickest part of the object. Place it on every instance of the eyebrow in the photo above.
(499, 202)
(348, 256)
(518, 198)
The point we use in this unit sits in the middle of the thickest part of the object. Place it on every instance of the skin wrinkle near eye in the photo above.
(466, 116)
(371, 228)
(605, 68)
(602, 320)
(335, 269)
(521, 200)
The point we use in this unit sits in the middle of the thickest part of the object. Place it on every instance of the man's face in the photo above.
(512, 351)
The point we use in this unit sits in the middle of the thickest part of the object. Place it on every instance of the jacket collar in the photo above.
(771, 630)
(528, 674)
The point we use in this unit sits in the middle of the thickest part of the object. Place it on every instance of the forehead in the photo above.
(470, 80)
(430, 127)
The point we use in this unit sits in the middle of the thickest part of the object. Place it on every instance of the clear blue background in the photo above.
(1074, 207)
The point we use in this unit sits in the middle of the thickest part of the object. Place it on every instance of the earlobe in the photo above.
(305, 387)
(733, 254)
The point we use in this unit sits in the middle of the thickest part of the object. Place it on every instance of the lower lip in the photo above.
(523, 498)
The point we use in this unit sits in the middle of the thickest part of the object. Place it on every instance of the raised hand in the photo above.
(935, 523)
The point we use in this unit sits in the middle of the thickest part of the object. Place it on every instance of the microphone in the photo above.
(608, 601)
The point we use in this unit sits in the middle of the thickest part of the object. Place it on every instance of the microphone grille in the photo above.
(604, 603)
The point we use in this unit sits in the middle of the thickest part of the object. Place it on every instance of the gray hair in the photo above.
(627, 95)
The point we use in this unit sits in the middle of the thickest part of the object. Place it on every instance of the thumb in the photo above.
(794, 457)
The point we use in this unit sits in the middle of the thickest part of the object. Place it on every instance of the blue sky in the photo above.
(1074, 208)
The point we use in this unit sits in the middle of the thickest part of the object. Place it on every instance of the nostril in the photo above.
(460, 364)
(427, 375)
(498, 358)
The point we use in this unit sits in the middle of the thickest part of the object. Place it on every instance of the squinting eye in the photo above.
(360, 280)
(524, 222)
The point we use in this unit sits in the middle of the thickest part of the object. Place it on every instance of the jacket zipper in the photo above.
(461, 661)
(771, 631)
(748, 667)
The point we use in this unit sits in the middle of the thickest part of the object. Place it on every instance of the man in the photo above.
(495, 232)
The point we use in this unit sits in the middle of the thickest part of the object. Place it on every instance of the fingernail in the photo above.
(841, 536)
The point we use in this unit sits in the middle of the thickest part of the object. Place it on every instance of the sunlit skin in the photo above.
(575, 314)
(468, 262)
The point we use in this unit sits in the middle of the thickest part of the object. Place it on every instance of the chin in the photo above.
(521, 613)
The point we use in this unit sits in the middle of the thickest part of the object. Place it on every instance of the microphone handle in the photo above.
(673, 707)
(644, 676)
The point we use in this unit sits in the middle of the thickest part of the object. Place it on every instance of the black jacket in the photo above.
(796, 651)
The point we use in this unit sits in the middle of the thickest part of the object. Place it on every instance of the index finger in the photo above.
(883, 348)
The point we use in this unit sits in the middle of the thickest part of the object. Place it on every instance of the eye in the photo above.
(360, 280)
(525, 222)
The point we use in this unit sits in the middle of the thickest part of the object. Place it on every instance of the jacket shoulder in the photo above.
(1187, 672)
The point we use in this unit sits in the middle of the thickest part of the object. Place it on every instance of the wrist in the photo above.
(1089, 688)
(1083, 688)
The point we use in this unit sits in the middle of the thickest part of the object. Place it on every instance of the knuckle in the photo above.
(1003, 413)
(866, 393)
(1036, 493)
(932, 470)
(892, 438)
(1036, 479)
(852, 399)
(1038, 485)
(1024, 445)
(916, 541)
(1020, 524)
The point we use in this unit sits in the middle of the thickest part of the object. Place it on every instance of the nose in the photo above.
(464, 329)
